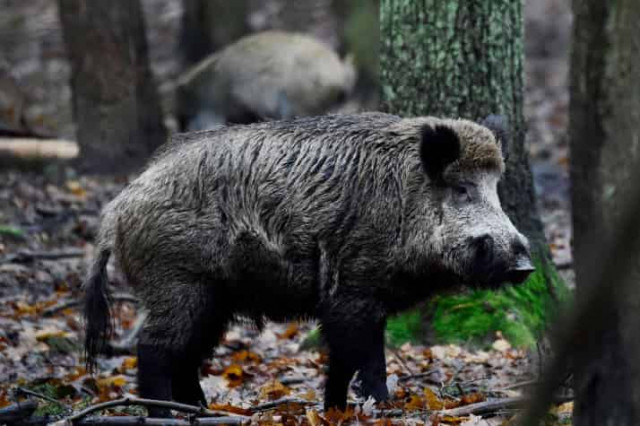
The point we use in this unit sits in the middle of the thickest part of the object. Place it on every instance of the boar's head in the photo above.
(467, 233)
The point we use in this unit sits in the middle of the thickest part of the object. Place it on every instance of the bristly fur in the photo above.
(330, 217)
(96, 309)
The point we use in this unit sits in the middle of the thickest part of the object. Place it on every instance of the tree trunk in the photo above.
(463, 59)
(605, 138)
(115, 103)
(209, 25)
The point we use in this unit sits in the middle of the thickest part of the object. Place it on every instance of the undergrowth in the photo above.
(520, 313)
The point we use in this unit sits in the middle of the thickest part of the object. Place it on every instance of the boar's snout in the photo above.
(496, 264)
(521, 267)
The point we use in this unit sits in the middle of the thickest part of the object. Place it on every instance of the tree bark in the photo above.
(605, 142)
(463, 58)
(115, 103)
(209, 25)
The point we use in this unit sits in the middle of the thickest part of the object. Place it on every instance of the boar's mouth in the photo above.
(496, 277)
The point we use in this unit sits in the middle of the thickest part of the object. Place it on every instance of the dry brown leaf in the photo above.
(290, 332)
(234, 375)
(274, 390)
(415, 403)
(433, 402)
(315, 419)
(334, 416)
(231, 409)
(245, 356)
(44, 335)
(76, 189)
(472, 398)
(129, 363)
(4, 399)
(452, 420)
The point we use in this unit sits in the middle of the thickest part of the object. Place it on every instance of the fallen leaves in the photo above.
(274, 390)
(234, 375)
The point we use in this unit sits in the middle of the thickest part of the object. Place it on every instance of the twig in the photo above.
(292, 380)
(400, 359)
(395, 412)
(518, 385)
(149, 403)
(29, 256)
(133, 420)
(426, 374)
(23, 391)
(489, 407)
(118, 297)
(273, 404)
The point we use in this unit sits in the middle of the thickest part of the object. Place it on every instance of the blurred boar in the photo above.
(345, 218)
(266, 76)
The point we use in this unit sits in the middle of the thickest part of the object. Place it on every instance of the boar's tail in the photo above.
(97, 309)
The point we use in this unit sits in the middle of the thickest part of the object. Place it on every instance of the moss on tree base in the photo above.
(520, 313)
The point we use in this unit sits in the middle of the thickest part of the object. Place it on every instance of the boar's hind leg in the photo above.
(185, 380)
(355, 334)
(181, 330)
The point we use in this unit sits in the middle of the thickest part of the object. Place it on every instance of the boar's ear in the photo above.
(499, 126)
(439, 147)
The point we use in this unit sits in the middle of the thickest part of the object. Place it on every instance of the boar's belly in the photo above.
(264, 281)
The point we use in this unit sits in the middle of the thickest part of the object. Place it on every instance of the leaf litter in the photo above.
(41, 335)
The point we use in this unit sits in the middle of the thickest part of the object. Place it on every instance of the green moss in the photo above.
(406, 327)
(11, 231)
(519, 312)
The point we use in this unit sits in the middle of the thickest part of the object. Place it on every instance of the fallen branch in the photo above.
(133, 420)
(23, 391)
(426, 374)
(18, 411)
(398, 356)
(292, 380)
(490, 407)
(274, 404)
(518, 385)
(29, 256)
(118, 297)
(38, 148)
(185, 408)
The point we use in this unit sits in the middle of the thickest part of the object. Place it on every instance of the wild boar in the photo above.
(345, 218)
(265, 76)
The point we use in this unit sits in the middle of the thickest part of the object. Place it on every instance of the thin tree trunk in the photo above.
(209, 25)
(605, 143)
(463, 58)
(115, 103)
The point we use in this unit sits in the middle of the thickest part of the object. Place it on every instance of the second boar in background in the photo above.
(265, 76)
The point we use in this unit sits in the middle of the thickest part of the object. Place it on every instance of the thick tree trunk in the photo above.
(605, 141)
(115, 103)
(463, 58)
(209, 25)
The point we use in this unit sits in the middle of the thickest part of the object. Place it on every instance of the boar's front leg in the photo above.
(354, 331)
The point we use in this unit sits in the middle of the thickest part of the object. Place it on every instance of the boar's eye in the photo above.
(462, 192)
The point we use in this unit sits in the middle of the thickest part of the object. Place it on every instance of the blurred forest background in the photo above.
(35, 94)
(49, 211)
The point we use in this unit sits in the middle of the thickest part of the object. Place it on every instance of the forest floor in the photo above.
(43, 255)
(48, 219)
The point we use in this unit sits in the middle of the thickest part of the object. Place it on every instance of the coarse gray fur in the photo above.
(345, 218)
